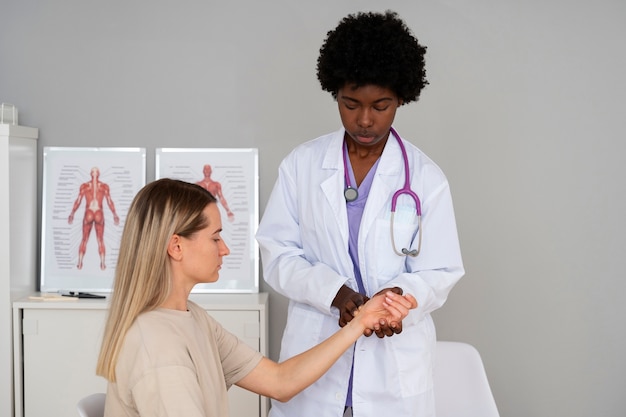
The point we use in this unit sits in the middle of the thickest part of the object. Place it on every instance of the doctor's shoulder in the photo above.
(423, 166)
(308, 154)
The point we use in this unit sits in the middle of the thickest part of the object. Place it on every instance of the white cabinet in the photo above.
(59, 343)
(18, 242)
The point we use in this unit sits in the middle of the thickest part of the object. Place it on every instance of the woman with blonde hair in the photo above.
(162, 354)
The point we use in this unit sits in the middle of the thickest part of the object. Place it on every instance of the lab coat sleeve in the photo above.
(285, 266)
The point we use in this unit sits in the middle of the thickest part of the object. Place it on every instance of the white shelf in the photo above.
(222, 301)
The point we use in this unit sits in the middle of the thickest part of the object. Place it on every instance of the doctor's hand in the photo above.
(348, 302)
(391, 328)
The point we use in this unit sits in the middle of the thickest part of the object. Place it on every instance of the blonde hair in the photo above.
(160, 210)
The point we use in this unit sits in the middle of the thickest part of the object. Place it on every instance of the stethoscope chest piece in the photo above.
(350, 194)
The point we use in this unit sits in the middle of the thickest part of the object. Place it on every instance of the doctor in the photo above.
(333, 235)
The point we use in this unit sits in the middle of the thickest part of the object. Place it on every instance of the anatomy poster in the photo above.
(231, 175)
(86, 195)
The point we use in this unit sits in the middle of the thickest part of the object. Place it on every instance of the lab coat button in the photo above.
(338, 395)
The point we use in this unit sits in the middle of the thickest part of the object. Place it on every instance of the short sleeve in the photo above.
(238, 359)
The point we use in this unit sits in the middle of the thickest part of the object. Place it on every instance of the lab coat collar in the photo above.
(333, 186)
(390, 161)
(389, 173)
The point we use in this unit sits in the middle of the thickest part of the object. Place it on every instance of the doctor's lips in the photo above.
(363, 135)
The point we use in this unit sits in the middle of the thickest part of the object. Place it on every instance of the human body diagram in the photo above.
(94, 192)
(215, 188)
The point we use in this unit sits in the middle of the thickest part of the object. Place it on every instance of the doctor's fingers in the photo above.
(345, 317)
(353, 304)
(384, 331)
(347, 313)
(396, 327)
(355, 301)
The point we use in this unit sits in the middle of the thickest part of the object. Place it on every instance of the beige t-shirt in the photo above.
(177, 363)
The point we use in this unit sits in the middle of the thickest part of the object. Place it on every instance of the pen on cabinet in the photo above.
(79, 294)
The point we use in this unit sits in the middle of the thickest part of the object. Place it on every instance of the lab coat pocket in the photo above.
(389, 263)
(413, 356)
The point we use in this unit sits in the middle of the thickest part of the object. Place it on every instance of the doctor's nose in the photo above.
(364, 118)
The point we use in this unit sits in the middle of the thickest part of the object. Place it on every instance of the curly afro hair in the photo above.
(373, 48)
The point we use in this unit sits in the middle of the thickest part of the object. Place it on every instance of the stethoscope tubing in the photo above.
(394, 200)
(352, 194)
(407, 183)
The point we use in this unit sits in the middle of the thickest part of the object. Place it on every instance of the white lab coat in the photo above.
(303, 237)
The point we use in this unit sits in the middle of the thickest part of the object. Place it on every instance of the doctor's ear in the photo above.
(174, 247)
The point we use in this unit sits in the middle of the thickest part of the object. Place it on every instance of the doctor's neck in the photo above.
(365, 147)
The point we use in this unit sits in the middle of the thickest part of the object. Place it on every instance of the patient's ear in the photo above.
(174, 248)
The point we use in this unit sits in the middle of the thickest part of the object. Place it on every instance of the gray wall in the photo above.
(525, 113)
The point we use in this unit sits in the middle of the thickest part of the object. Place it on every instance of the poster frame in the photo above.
(236, 171)
(67, 181)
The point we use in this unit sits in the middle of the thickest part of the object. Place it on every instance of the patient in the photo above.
(162, 354)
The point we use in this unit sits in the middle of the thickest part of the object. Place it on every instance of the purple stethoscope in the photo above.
(352, 194)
